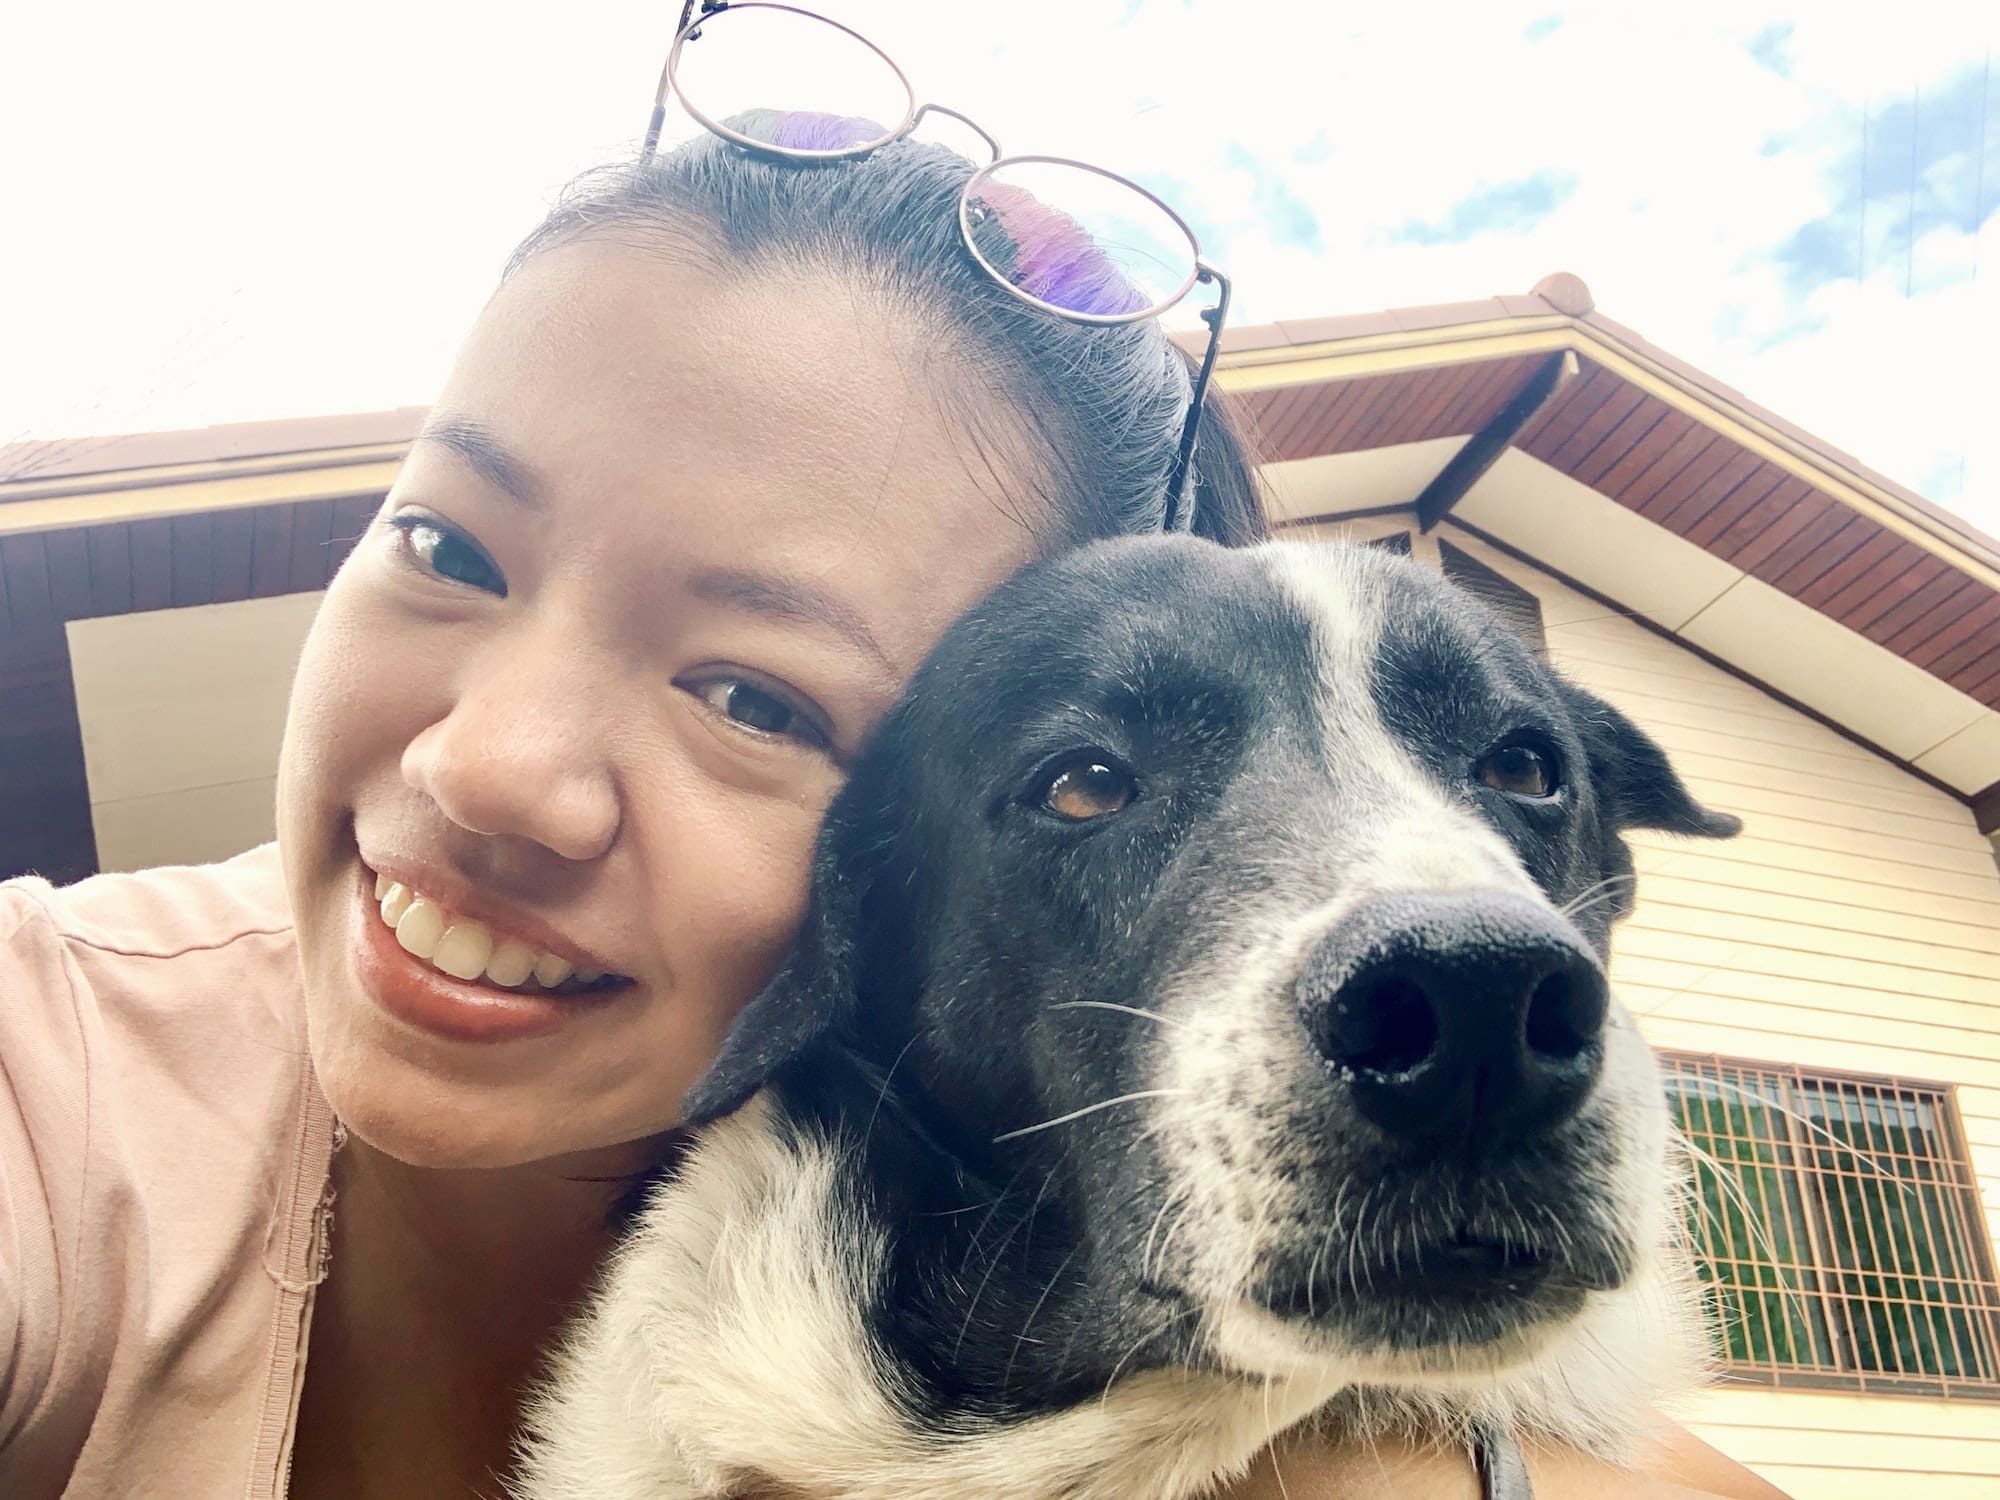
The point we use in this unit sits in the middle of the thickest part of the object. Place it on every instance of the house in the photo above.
(1817, 647)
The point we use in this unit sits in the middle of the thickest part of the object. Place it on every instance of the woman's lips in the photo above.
(466, 901)
(415, 992)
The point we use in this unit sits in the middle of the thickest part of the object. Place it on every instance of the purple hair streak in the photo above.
(1044, 251)
(1052, 257)
(808, 129)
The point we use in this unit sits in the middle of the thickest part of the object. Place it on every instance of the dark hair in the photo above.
(1111, 398)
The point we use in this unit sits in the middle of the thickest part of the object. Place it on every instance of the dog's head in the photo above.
(1249, 910)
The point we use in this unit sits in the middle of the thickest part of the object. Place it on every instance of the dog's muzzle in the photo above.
(1464, 1022)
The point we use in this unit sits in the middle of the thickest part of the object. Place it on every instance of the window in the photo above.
(1839, 1227)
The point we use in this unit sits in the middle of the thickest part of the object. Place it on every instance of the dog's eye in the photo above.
(1520, 770)
(1087, 789)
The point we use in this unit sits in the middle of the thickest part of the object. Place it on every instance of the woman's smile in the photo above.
(580, 697)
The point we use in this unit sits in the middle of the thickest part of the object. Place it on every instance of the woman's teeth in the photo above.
(470, 950)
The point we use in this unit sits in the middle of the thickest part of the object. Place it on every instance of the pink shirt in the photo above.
(164, 1154)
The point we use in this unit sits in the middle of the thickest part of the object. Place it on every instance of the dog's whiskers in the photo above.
(1167, 1320)
(999, 1250)
(882, 1092)
(1146, 1249)
(1833, 1141)
(1029, 1321)
(1592, 895)
(1130, 1010)
(1088, 1109)
(1277, 1469)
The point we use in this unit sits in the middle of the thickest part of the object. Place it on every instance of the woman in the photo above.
(732, 443)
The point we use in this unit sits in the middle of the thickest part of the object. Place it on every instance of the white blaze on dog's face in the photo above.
(1467, 1225)
(1224, 934)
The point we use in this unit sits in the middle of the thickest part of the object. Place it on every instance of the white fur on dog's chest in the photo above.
(728, 1344)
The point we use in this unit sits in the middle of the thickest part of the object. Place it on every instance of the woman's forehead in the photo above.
(604, 357)
(794, 420)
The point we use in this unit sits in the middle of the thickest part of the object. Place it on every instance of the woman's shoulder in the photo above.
(158, 913)
(154, 1097)
(124, 990)
(173, 946)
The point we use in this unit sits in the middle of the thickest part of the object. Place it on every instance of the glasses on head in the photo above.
(1061, 235)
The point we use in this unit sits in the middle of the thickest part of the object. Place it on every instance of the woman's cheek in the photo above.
(731, 887)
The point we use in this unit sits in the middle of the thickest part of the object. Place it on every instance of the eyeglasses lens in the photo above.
(794, 82)
(1079, 240)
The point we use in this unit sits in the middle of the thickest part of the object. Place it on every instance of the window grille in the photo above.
(1838, 1224)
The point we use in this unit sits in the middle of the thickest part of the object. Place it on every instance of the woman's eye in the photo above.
(754, 708)
(439, 549)
(1518, 770)
(1088, 789)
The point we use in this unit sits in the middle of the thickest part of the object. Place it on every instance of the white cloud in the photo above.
(227, 211)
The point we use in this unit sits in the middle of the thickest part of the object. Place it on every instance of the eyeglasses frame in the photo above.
(1177, 516)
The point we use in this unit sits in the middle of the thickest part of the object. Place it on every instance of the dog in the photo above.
(1200, 1025)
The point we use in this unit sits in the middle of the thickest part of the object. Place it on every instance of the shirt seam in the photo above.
(61, 929)
(117, 952)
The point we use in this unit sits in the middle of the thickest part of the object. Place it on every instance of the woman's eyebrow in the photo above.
(487, 458)
(792, 599)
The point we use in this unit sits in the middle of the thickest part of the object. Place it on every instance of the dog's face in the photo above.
(1247, 911)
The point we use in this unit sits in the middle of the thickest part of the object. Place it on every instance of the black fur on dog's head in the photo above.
(1074, 1047)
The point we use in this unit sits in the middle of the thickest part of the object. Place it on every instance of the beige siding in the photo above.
(1832, 1447)
(1854, 925)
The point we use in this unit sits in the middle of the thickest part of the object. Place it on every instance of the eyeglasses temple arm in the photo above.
(1184, 459)
(658, 122)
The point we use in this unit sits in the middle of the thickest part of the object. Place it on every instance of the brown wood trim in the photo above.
(1689, 500)
(1801, 573)
(1626, 612)
(45, 825)
(1986, 809)
(1604, 418)
(1548, 433)
(1275, 416)
(1819, 520)
(48, 578)
(1693, 447)
(1430, 402)
(1593, 463)
(1663, 438)
(1486, 445)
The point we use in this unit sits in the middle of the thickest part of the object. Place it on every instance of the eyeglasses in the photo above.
(1067, 237)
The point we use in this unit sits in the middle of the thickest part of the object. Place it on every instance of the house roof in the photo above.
(1657, 436)
(1656, 487)
(1679, 499)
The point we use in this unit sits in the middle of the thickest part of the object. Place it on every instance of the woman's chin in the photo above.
(413, 1104)
(423, 1121)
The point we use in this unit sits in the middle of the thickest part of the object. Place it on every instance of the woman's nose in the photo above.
(521, 754)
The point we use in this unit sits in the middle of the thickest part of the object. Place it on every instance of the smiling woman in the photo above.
(632, 658)
(731, 445)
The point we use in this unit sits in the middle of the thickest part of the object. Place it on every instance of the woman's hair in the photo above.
(1109, 399)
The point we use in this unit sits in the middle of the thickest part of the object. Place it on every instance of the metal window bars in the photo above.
(1838, 1225)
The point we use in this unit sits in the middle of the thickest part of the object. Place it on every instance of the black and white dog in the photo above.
(1201, 1023)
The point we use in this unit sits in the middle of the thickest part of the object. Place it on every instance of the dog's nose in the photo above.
(1457, 1018)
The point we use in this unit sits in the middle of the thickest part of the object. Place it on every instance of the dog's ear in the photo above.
(812, 992)
(1636, 786)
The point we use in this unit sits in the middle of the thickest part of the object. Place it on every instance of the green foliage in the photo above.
(1833, 1227)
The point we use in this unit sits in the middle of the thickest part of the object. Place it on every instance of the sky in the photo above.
(215, 212)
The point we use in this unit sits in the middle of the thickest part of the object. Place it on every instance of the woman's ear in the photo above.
(812, 992)
(1635, 784)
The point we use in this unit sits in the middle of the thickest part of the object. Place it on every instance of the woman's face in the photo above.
(671, 543)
